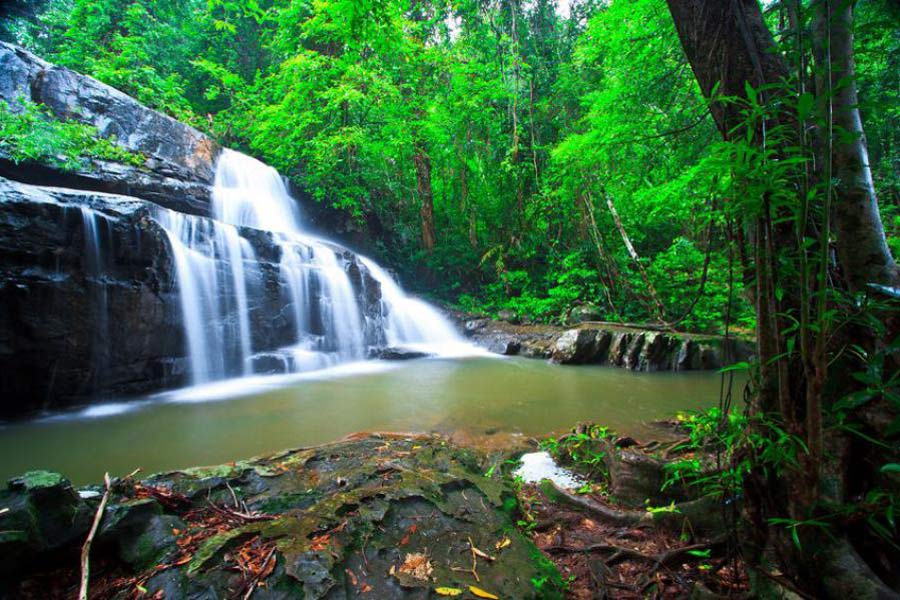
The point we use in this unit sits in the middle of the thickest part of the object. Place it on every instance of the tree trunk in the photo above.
(635, 257)
(728, 45)
(465, 207)
(861, 244)
(426, 199)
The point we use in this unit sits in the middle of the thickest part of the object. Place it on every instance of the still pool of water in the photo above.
(240, 418)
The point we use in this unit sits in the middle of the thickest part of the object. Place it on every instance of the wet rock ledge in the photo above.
(375, 516)
(598, 342)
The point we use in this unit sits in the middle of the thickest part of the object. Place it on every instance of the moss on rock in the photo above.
(380, 516)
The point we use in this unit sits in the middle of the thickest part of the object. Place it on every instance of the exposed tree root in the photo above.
(631, 554)
(610, 515)
(620, 553)
(846, 575)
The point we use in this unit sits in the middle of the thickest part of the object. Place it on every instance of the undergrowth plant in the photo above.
(30, 132)
(584, 449)
(722, 447)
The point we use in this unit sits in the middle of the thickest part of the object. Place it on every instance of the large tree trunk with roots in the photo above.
(730, 49)
(861, 243)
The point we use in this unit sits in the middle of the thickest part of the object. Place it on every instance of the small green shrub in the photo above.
(33, 134)
(584, 449)
(741, 442)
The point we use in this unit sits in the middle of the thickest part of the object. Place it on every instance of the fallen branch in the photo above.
(264, 571)
(635, 257)
(86, 548)
(240, 516)
(619, 553)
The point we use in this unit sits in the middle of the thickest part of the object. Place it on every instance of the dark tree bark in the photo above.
(426, 198)
(861, 244)
(728, 45)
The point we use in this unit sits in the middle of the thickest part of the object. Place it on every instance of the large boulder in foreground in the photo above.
(380, 516)
(41, 513)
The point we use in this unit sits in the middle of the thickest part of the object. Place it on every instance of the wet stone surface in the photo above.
(601, 343)
(378, 516)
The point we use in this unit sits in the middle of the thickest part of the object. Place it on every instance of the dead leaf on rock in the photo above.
(409, 532)
(482, 594)
(416, 565)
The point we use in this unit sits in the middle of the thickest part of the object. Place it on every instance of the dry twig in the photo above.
(86, 548)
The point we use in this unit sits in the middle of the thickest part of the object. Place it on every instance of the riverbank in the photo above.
(375, 515)
(633, 347)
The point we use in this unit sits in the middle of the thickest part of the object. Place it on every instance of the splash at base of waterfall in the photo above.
(332, 308)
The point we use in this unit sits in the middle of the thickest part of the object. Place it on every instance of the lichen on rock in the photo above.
(377, 516)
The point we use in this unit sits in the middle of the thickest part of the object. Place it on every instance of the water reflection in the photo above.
(472, 396)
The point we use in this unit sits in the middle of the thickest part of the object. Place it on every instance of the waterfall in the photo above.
(209, 264)
(95, 266)
(410, 322)
(324, 311)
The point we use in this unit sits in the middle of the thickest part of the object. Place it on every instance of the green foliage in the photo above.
(584, 448)
(877, 383)
(28, 132)
(741, 443)
(529, 122)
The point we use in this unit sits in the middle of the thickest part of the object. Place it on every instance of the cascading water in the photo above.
(331, 320)
(209, 263)
(92, 222)
(412, 323)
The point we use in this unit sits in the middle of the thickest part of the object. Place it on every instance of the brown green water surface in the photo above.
(241, 418)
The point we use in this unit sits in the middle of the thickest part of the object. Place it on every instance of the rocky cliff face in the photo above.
(54, 346)
(74, 326)
(180, 160)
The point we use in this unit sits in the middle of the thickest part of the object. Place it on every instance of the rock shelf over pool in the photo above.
(376, 516)
(607, 344)
(180, 160)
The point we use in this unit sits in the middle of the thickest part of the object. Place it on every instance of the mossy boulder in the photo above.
(142, 535)
(378, 516)
(41, 511)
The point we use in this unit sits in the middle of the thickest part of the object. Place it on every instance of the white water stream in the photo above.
(218, 280)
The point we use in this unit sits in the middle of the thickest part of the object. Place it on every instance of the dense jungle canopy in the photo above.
(714, 166)
(494, 152)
